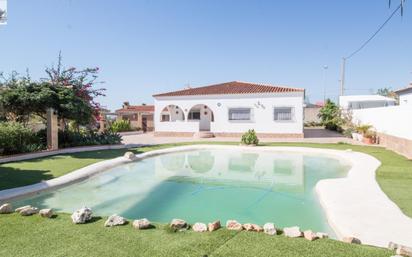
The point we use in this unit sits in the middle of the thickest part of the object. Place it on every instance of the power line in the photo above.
(376, 32)
(343, 68)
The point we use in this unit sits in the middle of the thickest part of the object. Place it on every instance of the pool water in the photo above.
(205, 185)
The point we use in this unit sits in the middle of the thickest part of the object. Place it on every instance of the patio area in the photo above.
(312, 135)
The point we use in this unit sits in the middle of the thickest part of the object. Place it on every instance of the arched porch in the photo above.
(202, 114)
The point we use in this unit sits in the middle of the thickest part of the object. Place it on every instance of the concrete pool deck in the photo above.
(354, 205)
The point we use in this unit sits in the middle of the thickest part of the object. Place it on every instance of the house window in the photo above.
(165, 117)
(242, 114)
(283, 114)
(194, 115)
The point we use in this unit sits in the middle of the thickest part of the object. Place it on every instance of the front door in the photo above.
(205, 120)
(144, 123)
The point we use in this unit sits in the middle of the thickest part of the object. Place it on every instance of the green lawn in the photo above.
(36, 236)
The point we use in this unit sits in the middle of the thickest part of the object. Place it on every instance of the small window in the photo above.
(283, 114)
(194, 115)
(165, 117)
(240, 114)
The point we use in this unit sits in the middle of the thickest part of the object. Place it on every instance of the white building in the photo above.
(355, 102)
(230, 109)
(405, 95)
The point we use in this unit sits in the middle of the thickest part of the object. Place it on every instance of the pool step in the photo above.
(204, 134)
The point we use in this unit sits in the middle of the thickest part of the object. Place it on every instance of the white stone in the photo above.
(28, 211)
(46, 213)
(199, 227)
(270, 229)
(82, 215)
(234, 225)
(6, 208)
(179, 224)
(215, 225)
(115, 220)
(141, 224)
(292, 232)
(22, 208)
(404, 251)
(309, 235)
(351, 240)
(248, 227)
(322, 235)
(257, 228)
(130, 155)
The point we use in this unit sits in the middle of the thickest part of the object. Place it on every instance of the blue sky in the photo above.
(147, 47)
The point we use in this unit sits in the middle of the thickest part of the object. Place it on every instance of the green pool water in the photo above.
(205, 185)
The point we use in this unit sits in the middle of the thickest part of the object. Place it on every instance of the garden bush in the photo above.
(121, 126)
(73, 138)
(69, 138)
(331, 116)
(16, 138)
(250, 138)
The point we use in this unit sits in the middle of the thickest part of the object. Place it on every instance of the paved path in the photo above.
(312, 135)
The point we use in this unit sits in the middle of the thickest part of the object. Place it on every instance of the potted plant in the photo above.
(369, 137)
(361, 131)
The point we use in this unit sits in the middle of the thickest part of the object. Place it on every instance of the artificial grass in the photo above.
(37, 236)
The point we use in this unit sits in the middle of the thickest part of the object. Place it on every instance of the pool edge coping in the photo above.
(346, 217)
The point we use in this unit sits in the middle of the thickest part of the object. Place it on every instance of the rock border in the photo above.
(355, 206)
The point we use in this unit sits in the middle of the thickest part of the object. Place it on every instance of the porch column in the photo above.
(52, 130)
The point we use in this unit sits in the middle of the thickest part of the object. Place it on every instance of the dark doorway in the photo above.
(144, 124)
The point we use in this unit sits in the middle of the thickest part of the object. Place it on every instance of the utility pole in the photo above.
(342, 79)
(325, 70)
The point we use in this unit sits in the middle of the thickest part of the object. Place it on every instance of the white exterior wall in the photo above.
(393, 120)
(262, 113)
(405, 99)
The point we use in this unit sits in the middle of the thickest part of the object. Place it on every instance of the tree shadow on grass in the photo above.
(13, 177)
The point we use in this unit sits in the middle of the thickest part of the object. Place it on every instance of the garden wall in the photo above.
(393, 124)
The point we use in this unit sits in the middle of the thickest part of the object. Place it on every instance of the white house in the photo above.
(355, 102)
(405, 95)
(230, 109)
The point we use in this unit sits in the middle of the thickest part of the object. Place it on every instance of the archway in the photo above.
(203, 114)
(172, 113)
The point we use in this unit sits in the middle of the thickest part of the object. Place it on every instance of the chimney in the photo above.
(126, 105)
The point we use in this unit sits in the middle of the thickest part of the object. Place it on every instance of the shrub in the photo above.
(363, 129)
(250, 138)
(121, 126)
(69, 138)
(331, 117)
(16, 138)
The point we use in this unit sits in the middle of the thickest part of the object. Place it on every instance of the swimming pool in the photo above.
(203, 185)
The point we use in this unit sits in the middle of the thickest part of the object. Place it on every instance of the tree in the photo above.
(330, 116)
(388, 92)
(75, 92)
(69, 91)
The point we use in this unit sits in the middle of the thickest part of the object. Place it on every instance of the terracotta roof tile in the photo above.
(234, 87)
(137, 108)
(404, 89)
